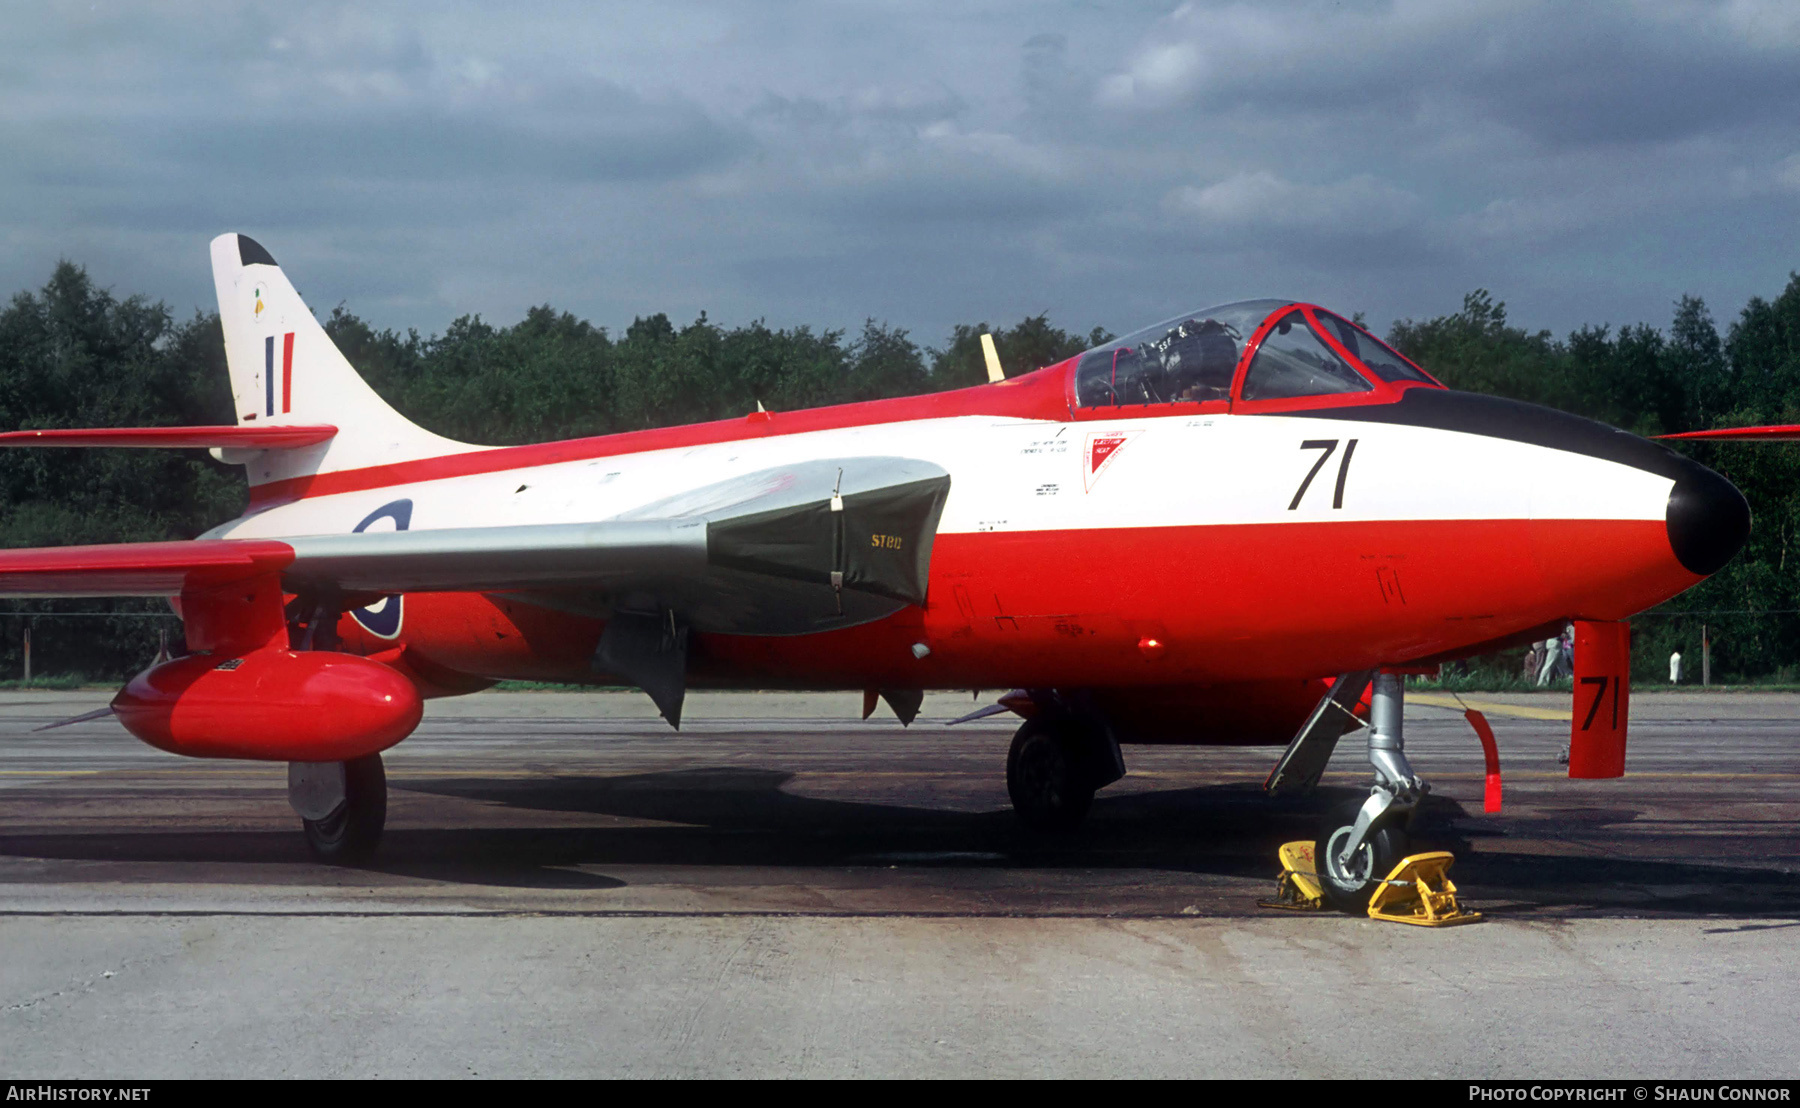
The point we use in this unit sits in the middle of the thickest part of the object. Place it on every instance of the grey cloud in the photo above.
(1602, 77)
(652, 146)
(813, 162)
(1561, 73)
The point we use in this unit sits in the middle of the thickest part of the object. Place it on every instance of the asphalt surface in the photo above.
(570, 888)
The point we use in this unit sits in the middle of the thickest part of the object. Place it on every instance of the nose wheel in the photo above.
(342, 807)
(1348, 878)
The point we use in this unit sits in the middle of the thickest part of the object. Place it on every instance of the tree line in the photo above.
(74, 354)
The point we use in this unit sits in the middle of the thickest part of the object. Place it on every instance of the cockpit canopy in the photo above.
(1265, 349)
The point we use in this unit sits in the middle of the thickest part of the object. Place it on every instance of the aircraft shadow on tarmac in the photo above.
(743, 818)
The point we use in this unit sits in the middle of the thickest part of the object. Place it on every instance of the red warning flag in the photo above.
(1490, 801)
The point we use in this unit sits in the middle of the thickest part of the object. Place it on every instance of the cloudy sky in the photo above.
(921, 162)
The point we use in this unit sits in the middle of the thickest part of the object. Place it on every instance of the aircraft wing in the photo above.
(780, 551)
(1783, 433)
(137, 568)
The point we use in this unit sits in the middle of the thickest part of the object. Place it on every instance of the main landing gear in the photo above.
(1362, 841)
(1059, 758)
(342, 806)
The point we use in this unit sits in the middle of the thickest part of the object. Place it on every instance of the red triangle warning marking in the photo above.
(1101, 449)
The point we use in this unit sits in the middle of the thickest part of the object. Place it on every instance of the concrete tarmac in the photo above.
(569, 888)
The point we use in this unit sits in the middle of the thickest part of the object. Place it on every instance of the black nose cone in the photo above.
(1708, 519)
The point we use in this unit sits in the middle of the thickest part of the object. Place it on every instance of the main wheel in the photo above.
(1348, 886)
(1049, 784)
(350, 834)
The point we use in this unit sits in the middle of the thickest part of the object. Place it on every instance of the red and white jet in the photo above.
(1220, 529)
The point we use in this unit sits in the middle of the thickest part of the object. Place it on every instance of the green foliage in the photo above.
(1033, 344)
(552, 376)
(1477, 350)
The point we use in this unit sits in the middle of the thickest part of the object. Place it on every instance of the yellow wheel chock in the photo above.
(1417, 891)
(1297, 889)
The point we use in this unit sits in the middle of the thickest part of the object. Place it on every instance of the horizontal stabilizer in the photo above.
(228, 437)
(1782, 433)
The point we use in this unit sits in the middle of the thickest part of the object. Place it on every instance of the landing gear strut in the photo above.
(342, 806)
(1059, 758)
(1361, 843)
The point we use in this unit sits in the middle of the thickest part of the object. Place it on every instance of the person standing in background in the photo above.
(1547, 667)
(1675, 668)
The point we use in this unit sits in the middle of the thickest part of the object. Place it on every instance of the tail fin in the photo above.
(286, 370)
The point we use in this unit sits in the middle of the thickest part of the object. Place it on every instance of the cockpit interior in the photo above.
(1251, 351)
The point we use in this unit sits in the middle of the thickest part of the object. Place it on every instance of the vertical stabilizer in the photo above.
(286, 370)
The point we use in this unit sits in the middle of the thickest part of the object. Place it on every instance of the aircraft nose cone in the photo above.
(1708, 519)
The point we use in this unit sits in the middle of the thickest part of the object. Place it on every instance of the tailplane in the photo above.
(286, 371)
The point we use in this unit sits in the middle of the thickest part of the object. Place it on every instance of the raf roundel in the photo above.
(383, 618)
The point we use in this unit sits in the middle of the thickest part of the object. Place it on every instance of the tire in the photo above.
(351, 834)
(1049, 784)
(1383, 847)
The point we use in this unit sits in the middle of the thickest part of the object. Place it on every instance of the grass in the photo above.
(1480, 679)
(59, 681)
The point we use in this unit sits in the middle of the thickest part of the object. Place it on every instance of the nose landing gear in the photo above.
(1362, 842)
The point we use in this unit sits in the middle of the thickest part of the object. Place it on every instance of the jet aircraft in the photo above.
(1239, 526)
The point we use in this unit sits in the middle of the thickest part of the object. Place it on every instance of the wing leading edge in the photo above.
(781, 551)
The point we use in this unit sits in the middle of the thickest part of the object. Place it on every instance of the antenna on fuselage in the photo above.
(992, 358)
